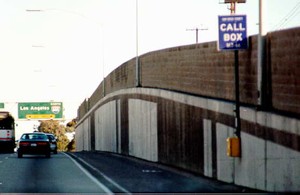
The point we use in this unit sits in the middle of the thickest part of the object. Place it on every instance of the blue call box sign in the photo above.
(232, 32)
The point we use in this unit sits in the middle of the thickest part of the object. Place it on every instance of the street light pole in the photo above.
(34, 10)
(137, 65)
(260, 56)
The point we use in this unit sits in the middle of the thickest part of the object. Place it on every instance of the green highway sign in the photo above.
(2, 105)
(40, 110)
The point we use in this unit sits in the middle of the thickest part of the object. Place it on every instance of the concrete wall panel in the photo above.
(106, 127)
(207, 147)
(225, 164)
(283, 168)
(250, 170)
(79, 137)
(86, 135)
(143, 129)
(82, 136)
(119, 126)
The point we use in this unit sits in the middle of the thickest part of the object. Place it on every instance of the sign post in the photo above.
(233, 36)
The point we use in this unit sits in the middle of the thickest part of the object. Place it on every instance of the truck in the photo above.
(7, 132)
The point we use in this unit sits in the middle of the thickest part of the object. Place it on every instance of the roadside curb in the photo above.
(213, 183)
(109, 183)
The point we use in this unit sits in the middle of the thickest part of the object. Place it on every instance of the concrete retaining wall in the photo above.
(182, 112)
(196, 139)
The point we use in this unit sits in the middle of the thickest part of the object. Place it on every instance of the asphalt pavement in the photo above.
(36, 174)
(124, 174)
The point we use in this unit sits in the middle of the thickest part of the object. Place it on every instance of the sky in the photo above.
(60, 50)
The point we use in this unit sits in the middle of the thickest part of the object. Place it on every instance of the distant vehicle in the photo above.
(53, 143)
(7, 132)
(34, 143)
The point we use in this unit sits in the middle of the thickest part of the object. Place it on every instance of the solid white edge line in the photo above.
(105, 177)
(103, 187)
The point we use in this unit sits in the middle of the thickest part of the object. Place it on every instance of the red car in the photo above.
(34, 143)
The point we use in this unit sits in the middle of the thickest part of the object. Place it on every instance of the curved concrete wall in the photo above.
(182, 113)
(190, 132)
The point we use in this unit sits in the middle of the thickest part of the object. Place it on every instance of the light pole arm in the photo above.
(34, 10)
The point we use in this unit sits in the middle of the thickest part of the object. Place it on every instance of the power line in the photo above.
(293, 13)
(197, 30)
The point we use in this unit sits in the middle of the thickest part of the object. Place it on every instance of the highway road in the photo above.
(37, 174)
(98, 172)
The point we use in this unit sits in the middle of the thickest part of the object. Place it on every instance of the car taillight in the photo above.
(24, 143)
(42, 143)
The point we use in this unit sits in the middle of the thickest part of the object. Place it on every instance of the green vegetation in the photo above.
(59, 131)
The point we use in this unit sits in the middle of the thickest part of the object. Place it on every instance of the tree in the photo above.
(71, 145)
(59, 131)
(70, 127)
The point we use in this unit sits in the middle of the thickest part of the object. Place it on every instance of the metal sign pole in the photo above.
(237, 84)
(237, 93)
(233, 36)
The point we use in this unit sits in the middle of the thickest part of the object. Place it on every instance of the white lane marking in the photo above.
(90, 176)
(105, 177)
(150, 171)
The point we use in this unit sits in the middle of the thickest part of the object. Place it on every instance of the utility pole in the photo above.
(233, 4)
(197, 30)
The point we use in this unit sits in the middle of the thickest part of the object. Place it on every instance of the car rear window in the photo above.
(51, 137)
(34, 136)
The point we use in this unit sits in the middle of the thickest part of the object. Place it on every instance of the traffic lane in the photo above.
(135, 175)
(37, 174)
